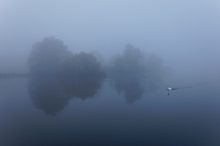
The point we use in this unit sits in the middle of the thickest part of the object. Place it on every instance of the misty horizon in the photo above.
(117, 72)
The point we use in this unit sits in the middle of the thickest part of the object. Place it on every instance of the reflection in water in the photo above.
(134, 74)
(57, 75)
(51, 96)
(47, 95)
(133, 91)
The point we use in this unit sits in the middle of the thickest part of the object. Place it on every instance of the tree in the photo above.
(134, 73)
(47, 56)
(56, 75)
(82, 75)
(45, 63)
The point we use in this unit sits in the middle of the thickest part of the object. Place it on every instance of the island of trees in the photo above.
(56, 75)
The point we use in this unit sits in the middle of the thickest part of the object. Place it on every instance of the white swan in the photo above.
(169, 89)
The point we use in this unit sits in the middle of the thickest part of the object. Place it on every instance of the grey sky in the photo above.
(184, 33)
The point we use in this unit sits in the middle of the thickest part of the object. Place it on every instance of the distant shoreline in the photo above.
(13, 75)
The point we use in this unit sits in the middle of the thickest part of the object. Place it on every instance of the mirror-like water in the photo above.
(187, 117)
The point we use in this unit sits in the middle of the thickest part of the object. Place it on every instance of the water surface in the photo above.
(187, 117)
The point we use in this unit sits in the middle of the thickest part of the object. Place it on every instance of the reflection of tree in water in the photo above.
(46, 95)
(57, 75)
(132, 90)
(135, 74)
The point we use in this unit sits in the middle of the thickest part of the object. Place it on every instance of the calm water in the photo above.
(185, 118)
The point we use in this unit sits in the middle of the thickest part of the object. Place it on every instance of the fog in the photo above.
(107, 64)
(174, 30)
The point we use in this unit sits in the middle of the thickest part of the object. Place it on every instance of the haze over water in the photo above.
(108, 87)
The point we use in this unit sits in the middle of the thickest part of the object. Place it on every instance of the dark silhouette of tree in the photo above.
(47, 56)
(82, 75)
(135, 74)
(56, 75)
(45, 63)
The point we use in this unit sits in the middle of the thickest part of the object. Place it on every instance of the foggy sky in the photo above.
(184, 33)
